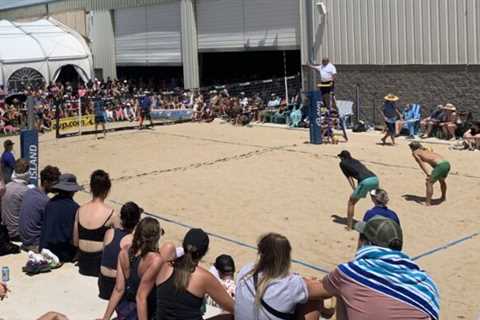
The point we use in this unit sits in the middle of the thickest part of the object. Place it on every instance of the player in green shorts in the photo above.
(441, 168)
(366, 181)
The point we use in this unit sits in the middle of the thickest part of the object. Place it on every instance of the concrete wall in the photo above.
(427, 85)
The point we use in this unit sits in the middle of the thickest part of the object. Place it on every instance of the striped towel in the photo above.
(394, 274)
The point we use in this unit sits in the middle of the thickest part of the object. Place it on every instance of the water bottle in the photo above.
(5, 274)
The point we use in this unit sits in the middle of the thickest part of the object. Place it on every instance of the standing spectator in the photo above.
(8, 161)
(115, 240)
(382, 282)
(59, 219)
(13, 197)
(32, 210)
(391, 114)
(92, 221)
(267, 290)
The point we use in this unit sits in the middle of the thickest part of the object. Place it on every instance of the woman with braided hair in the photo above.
(182, 284)
(133, 261)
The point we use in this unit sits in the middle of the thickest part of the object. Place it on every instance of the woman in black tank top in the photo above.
(89, 260)
(182, 285)
(129, 215)
(144, 245)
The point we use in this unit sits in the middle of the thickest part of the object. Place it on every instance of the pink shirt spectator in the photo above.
(362, 303)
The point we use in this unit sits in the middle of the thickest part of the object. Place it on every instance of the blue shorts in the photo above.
(391, 125)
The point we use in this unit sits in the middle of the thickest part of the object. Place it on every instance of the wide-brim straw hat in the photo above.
(449, 107)
(391, 97)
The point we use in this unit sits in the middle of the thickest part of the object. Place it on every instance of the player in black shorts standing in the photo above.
(99, 108)
(145, 107)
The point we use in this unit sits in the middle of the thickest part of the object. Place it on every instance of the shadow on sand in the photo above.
(420, 199)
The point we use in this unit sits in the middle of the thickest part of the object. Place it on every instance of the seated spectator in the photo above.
(13, 197)
(432, 121)
(224, 270)
(7, 161)
(132, 260)
(182, 284)
(411, 120)
(407, 292)
(91, 223)
(267, 290)
(59, 219)
(32, 210)
(449, 121)
(472, 136)
(115, 240)
(464, 123)
(274, 101)
(380, 200)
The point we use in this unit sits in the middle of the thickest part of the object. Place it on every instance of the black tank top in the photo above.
(111, 250)
(131, 288)
(89, 262)
(96, 235)
(177, 305)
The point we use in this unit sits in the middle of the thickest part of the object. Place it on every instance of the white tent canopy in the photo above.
(44, 46)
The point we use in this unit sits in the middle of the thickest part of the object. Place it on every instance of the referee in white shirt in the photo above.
(328, 74)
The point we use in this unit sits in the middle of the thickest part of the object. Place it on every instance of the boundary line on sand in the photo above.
(446, 246)
(224, 238)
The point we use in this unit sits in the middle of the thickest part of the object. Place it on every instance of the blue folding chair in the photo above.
(412, 117)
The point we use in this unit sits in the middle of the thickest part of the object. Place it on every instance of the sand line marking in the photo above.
(446, 246)
(316, 155)
(201, 164)
(221, 237)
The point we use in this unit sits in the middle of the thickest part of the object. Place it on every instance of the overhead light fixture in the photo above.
(322, 8)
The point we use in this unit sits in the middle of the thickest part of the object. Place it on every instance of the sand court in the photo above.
(238, 183)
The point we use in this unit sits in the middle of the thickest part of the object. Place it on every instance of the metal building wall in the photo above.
(393, 32)
(101, 33)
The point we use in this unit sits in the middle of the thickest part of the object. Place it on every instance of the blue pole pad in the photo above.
(30, 152)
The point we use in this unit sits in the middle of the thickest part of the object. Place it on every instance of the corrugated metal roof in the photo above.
(12, 4)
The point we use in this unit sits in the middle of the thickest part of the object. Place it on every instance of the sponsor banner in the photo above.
(175, 115)
(72, 123)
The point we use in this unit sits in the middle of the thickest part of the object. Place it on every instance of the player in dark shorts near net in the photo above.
(145, 108)
(366, 181)
(100, 117)
(441, 168)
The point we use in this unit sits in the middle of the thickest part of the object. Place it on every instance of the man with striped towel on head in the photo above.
(382, 283)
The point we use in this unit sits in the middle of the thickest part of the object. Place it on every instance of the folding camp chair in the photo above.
(412, 119)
